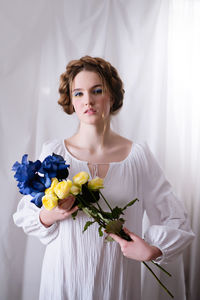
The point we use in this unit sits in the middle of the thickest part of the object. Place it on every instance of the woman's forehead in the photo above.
(86, 79)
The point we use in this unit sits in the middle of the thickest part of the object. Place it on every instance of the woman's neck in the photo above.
(92, 137)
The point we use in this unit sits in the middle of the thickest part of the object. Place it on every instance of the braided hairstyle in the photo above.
(110, 80)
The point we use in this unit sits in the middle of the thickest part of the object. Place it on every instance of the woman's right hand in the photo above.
(58, 213)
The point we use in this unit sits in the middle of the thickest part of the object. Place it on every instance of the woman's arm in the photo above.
(169, 226)
(136, 249)
(61, 212)
(38, 221)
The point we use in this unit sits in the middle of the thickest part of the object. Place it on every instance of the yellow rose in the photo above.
(75, 189)
(62, 189)
(96, 184)
(50, 201)
(50, 190)
(81, 178)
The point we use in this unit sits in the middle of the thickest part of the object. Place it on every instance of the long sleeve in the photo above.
(27, 217)
(169, 229)
(27, 214)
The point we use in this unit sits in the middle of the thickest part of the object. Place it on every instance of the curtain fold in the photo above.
(155, 46)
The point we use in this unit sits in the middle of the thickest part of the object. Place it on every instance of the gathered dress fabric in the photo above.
(79, 266)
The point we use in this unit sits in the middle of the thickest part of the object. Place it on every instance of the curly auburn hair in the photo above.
(108, 74)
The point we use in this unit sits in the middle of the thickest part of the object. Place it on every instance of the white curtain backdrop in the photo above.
(155, 45)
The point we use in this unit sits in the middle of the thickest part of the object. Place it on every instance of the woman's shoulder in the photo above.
(52, 143)
(145, 157)
(134, 149)
(141, 145)
(132, 145)
(123, 140)
(120, 141)
(52, 146)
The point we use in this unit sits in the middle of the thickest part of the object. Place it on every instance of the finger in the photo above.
(69, 199)
(67, 204)
(66, 207)
(72, 210)
(64, 202)
(126, 230)
(116, 238)
(131, 234)
(60, 210)
(67, 213)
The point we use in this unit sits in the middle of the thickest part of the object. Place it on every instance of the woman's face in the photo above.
(91, 103)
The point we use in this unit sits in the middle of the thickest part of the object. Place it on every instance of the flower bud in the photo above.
(95, 184)
(75, 189)
(62, 189)
(81, 178)
(50, 190)
(50, 201)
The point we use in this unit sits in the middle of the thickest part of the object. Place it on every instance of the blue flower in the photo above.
(37, 200)
(34, 177)
(54, 166)
(29, 181)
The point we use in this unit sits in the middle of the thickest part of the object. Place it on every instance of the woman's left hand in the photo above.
(136, 249)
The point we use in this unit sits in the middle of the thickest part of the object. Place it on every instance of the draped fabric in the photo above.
(155, 47)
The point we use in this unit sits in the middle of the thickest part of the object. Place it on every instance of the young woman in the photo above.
(82, 266)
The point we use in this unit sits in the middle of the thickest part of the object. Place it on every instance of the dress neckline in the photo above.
(110, 164)
(107, 163)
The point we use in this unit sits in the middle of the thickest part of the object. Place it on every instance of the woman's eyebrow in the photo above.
(94, 86)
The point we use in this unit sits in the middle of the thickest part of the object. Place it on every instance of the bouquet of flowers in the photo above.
(35, 177)
(47, 183)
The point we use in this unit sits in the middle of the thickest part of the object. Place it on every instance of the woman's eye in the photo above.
(77, 94)
(98, 91)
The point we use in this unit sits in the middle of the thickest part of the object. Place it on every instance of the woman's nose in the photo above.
(88, 99)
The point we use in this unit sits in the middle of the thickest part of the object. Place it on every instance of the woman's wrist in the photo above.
(44, 219)
(156, 252)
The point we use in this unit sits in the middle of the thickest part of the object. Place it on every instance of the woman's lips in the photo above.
(90, 111)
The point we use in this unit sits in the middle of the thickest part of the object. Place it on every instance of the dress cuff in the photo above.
(170, 241)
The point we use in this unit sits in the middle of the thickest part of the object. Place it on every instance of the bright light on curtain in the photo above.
(183, 127)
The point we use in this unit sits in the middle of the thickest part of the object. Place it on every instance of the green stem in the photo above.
(87, 211)
(125, 236)
(91, 193)
(105, 200)
(164, 287)
(157, 265)
(99, 221)
(81, 199)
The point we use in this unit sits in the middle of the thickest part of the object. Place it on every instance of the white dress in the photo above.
(82, 266)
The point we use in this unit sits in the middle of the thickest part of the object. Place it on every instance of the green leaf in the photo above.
(80, 205)
(121, 219)
(107, 215)
(109, 238)
(114, 226)
(116, 212)
(87, 211)
(102, 218)
(74, 215)
(100, 231)
(94, 210)
(130, 203)
(87, 224)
